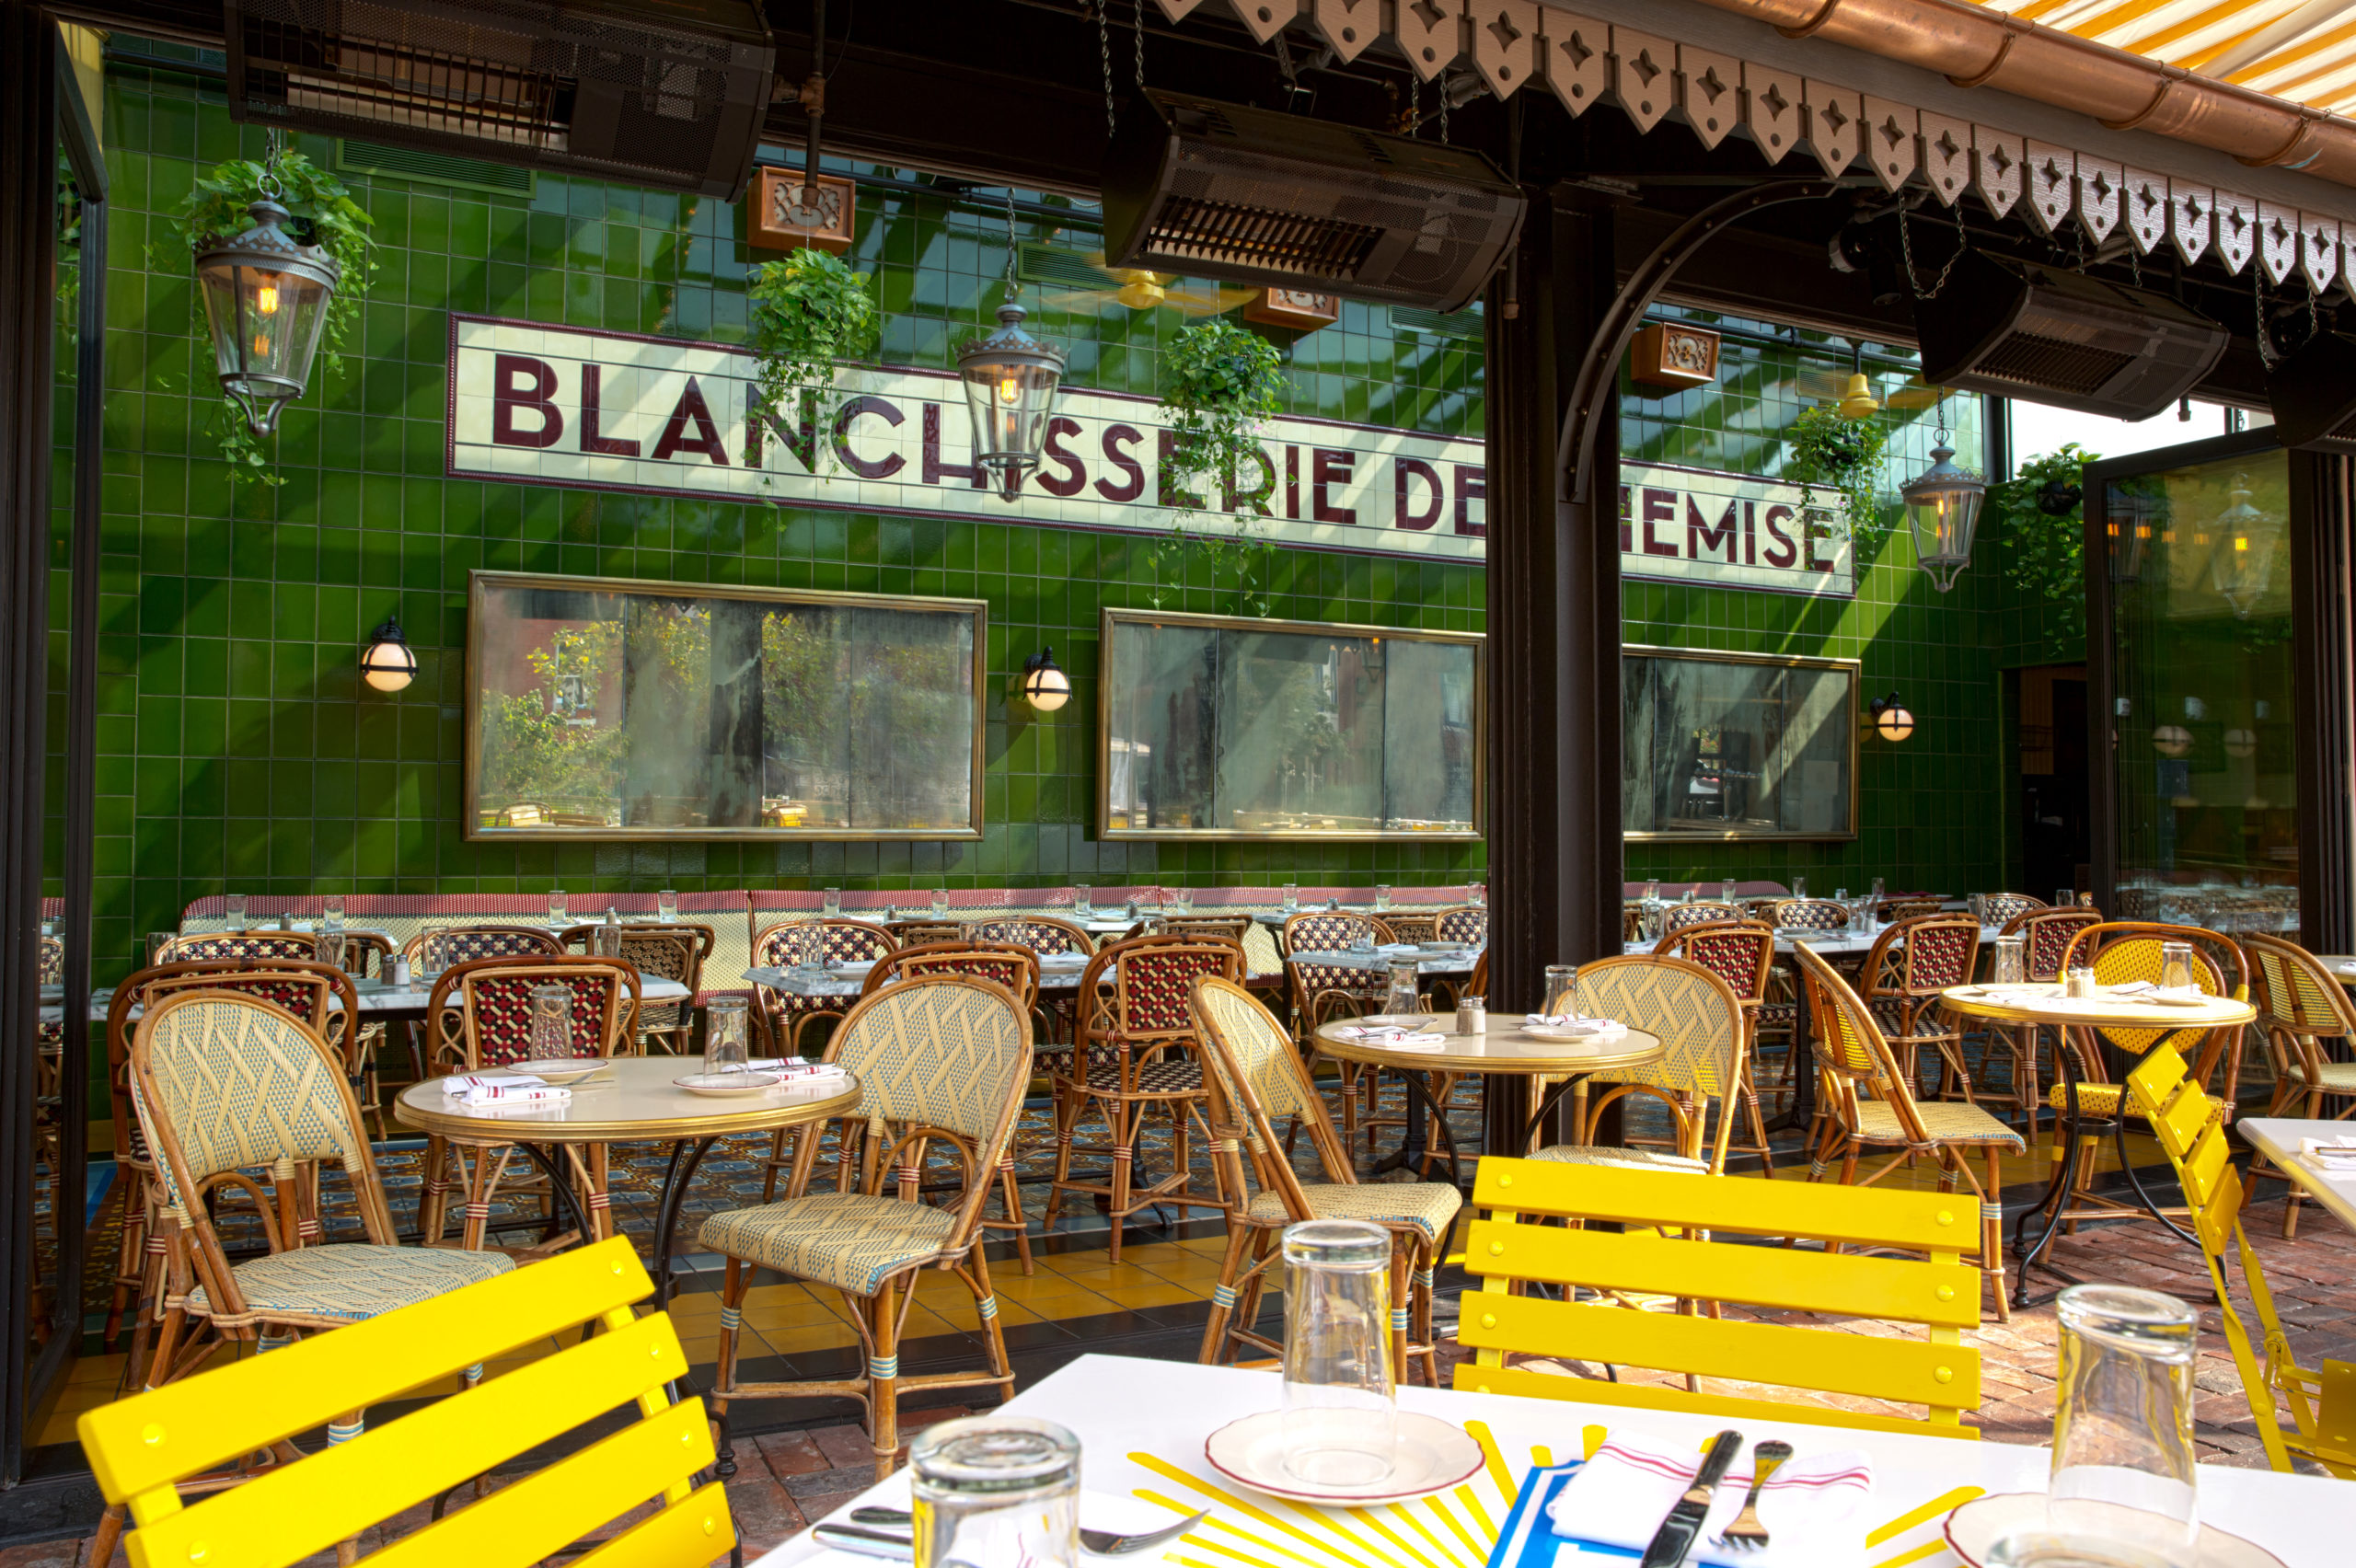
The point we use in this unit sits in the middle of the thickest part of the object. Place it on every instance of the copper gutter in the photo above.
(1974, 47)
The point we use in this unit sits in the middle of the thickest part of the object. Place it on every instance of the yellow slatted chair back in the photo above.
(2191, 1128)
(144, 1447)
(1513, 1245)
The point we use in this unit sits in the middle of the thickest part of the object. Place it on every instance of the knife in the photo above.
(891, 1547)
(1675, 1537)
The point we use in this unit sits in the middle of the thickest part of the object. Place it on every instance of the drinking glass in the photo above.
(2064, 897)
(1184, 899)
(809, 949)
(1292, 898)
(1840, 895)
(1362, 941)
(2011, 960)
(556, 907)
(1799, 887)
(2124, 1490)
(1404, 994)
(1878, 890)
(2175, 966)
(1562, 980)
(723, 1036)
(1341, 1421)
(1975, 903)
(1477, 895)
(1652, 889)
(233, 909)
(332, 910)
(940, 903)
(992, 1489)
(332, 946)
(831, 905)
(550, 1011)
(666, 905)
(1725, 891)
(606, 941)
(1079, 900)
(155, 944)
(1381, 895)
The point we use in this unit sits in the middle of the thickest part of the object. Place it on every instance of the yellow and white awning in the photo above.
(2301, 50)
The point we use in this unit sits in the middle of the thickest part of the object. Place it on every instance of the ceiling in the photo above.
(2303, 50)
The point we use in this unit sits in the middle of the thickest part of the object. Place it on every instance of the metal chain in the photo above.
(2314, 321)
(1443, 108)
(1414, 104)
(2134, 261)
(1906, 244)
(1105, 57)
(1137, 20)
(273, 149)
(1940, 438)
(1011, 290)
(2257, 311)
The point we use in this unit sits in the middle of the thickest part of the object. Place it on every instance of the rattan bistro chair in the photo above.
(1872, 1107)
(1676, 917)
(224, 1085)
(1910, 964)
(1699, 1020)
(944, 1062)
(783, 1015)
(1258, 1081)
(670, 950)
(264, 943)
(1322, 992)
(1741, 953)
(2046, 936)
(2302, 1011)
(445, 947)
(1809, 915)
(2001, 909)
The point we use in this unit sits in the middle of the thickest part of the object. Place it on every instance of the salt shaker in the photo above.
(400, 978)
(2081, 983)
(1472, 1015)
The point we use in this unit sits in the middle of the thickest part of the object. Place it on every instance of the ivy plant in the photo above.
(1220, 384)
(806, 313)
(1835, 452)
(2039, 514)
(320, 212)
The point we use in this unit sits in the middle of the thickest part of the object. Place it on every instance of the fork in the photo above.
(1103, 1544)
(1747, 1534)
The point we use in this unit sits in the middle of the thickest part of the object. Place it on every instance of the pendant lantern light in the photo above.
(2242, 563)
(1010, 379)
(1942, 510)
(265, 303)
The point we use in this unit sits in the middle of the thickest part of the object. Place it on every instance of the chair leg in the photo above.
(1427, 1258)
(883, 1379)
(103, 1538)
(1128, 1120)
(1403, 1286)
(1223, 1296)
(775, 1163)
(1992, 1232)
(993, 1331)
(1015, 1217)
(723, 1376)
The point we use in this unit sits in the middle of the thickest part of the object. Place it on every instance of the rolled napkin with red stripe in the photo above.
(515, 1089)
(1814, 1508)
(2335, 1155)
(1572, 1024)
(798, 1067)
(1389, 1035)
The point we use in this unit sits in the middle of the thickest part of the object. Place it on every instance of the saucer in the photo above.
(1976, 1527)
(1432, 1454)
(566, 1070)
(726, 1085)
(1398, 1021)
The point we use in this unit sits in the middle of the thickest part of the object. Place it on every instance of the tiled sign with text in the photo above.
(1731, 531)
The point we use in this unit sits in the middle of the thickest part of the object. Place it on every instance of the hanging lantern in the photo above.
(265, 300)
(2242, 562)
(2132, 526)
(1010, 379)
(1044, 685)
(1942, 510)
(387, 663)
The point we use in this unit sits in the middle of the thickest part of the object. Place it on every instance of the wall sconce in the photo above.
(1892, 721)
(387, 663)
(1044, 685)
(2171, 740)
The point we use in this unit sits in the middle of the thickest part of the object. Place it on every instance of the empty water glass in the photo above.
(992, 1489)
(1878, 890)
(1652, 889)
(831, 904)
(331, 909)
(156, 941)
(2176, 967)
(810, 950)
(1725, 891)
(2064, 897)
(1477, 895)
(1183, 899)
(2011, 960)
(666, 905)
(940, 903)
(330, 947)
(1079, 900)
(1840, 895)
(1383, 895)
(1404, 994)
(1292, 897)
(1362, 940)
(1799, 887)
(233, 909)
(723, 1036)
(556, 907)
(1561, 982)
(550, 1033)
(1341, 1419)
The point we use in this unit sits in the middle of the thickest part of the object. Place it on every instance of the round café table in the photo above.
(1504, 1050)
(2341, 967)
(635, 1102)
(2043, 1003)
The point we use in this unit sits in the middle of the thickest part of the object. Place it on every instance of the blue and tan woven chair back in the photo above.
(2001, 909)
(1001, 964)
(1697, 1015)
(223, 1084)
(1043, 934)
(2049, 934)
(1809, 915)
(1676, 917)
(1464, 923)
(448, 947)
(1260, 1082)
(1850, 1042)
(248, 945)
(2292, 990)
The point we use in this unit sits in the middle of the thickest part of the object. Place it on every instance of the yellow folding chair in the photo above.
(1513, 1246)
(2191, 1127)
(151, 1449)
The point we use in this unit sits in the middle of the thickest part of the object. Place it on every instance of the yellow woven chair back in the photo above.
(2191, 1128)
(142, 1448)
(939, 1051)
(1696, 1012)
(2293, 991)
(2123, 952)
(1514, 1245)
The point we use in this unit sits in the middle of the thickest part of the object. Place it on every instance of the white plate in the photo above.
(571, 1071)
(1433, 1454)
(1398, 1021)
(725, 1085)
(1975, 1527)
(1445, 947)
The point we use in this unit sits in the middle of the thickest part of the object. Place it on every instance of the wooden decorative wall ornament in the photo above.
(1670, 356)
(2278, 240)
(2236, 230)
(1265, 18)
(1712, 95)
(781, 221)
(1505, 41)
(2192, 212)
(1946, 154)
(1644, 76)
(1431, 33)
(1296, 309)
(1349, 25)
(2146, 209)
(1176, 10)
(1579, 60)
(2101, 185)
(1836, 123)
(2052, 185)
(2318, 250)
(1999, 168)
(1891, 132)
(1771, 109)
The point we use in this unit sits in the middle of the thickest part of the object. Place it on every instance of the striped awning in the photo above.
(2301, 50)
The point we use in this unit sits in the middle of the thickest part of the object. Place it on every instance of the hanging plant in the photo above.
(806, 313)
(1220, 384)
(1832, 451)
(2041, 511)
(320, 212)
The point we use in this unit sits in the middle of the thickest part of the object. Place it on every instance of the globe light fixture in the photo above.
(1044, 685)
(2171, 740)
(265, 303)
(387, 663)
(1892, 721)
(1942, 510)
(1010, 379)
(2241, 563)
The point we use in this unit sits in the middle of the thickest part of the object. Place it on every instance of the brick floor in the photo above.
(785, 1480)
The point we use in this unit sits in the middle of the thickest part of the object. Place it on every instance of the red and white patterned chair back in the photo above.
(2049, 934)
(843, 942)
(245, 946)
(2001, 908)
(1676, 917)
(1741, 953)
(1465, 922)
(448, 947)
(492, 1000)
(1043, 934)
(1153, 977)
(1330, 930)
(1001, 964)
(1935, 953)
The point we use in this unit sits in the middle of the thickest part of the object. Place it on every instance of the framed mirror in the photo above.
(1229, 727)
(603, 707)
(1736, 746)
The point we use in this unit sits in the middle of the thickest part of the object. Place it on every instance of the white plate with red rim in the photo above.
(723, 1086)
(1973, 1530)
(1432, 1455)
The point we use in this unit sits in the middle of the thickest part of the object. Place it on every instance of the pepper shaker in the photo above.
(1472, 1015)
